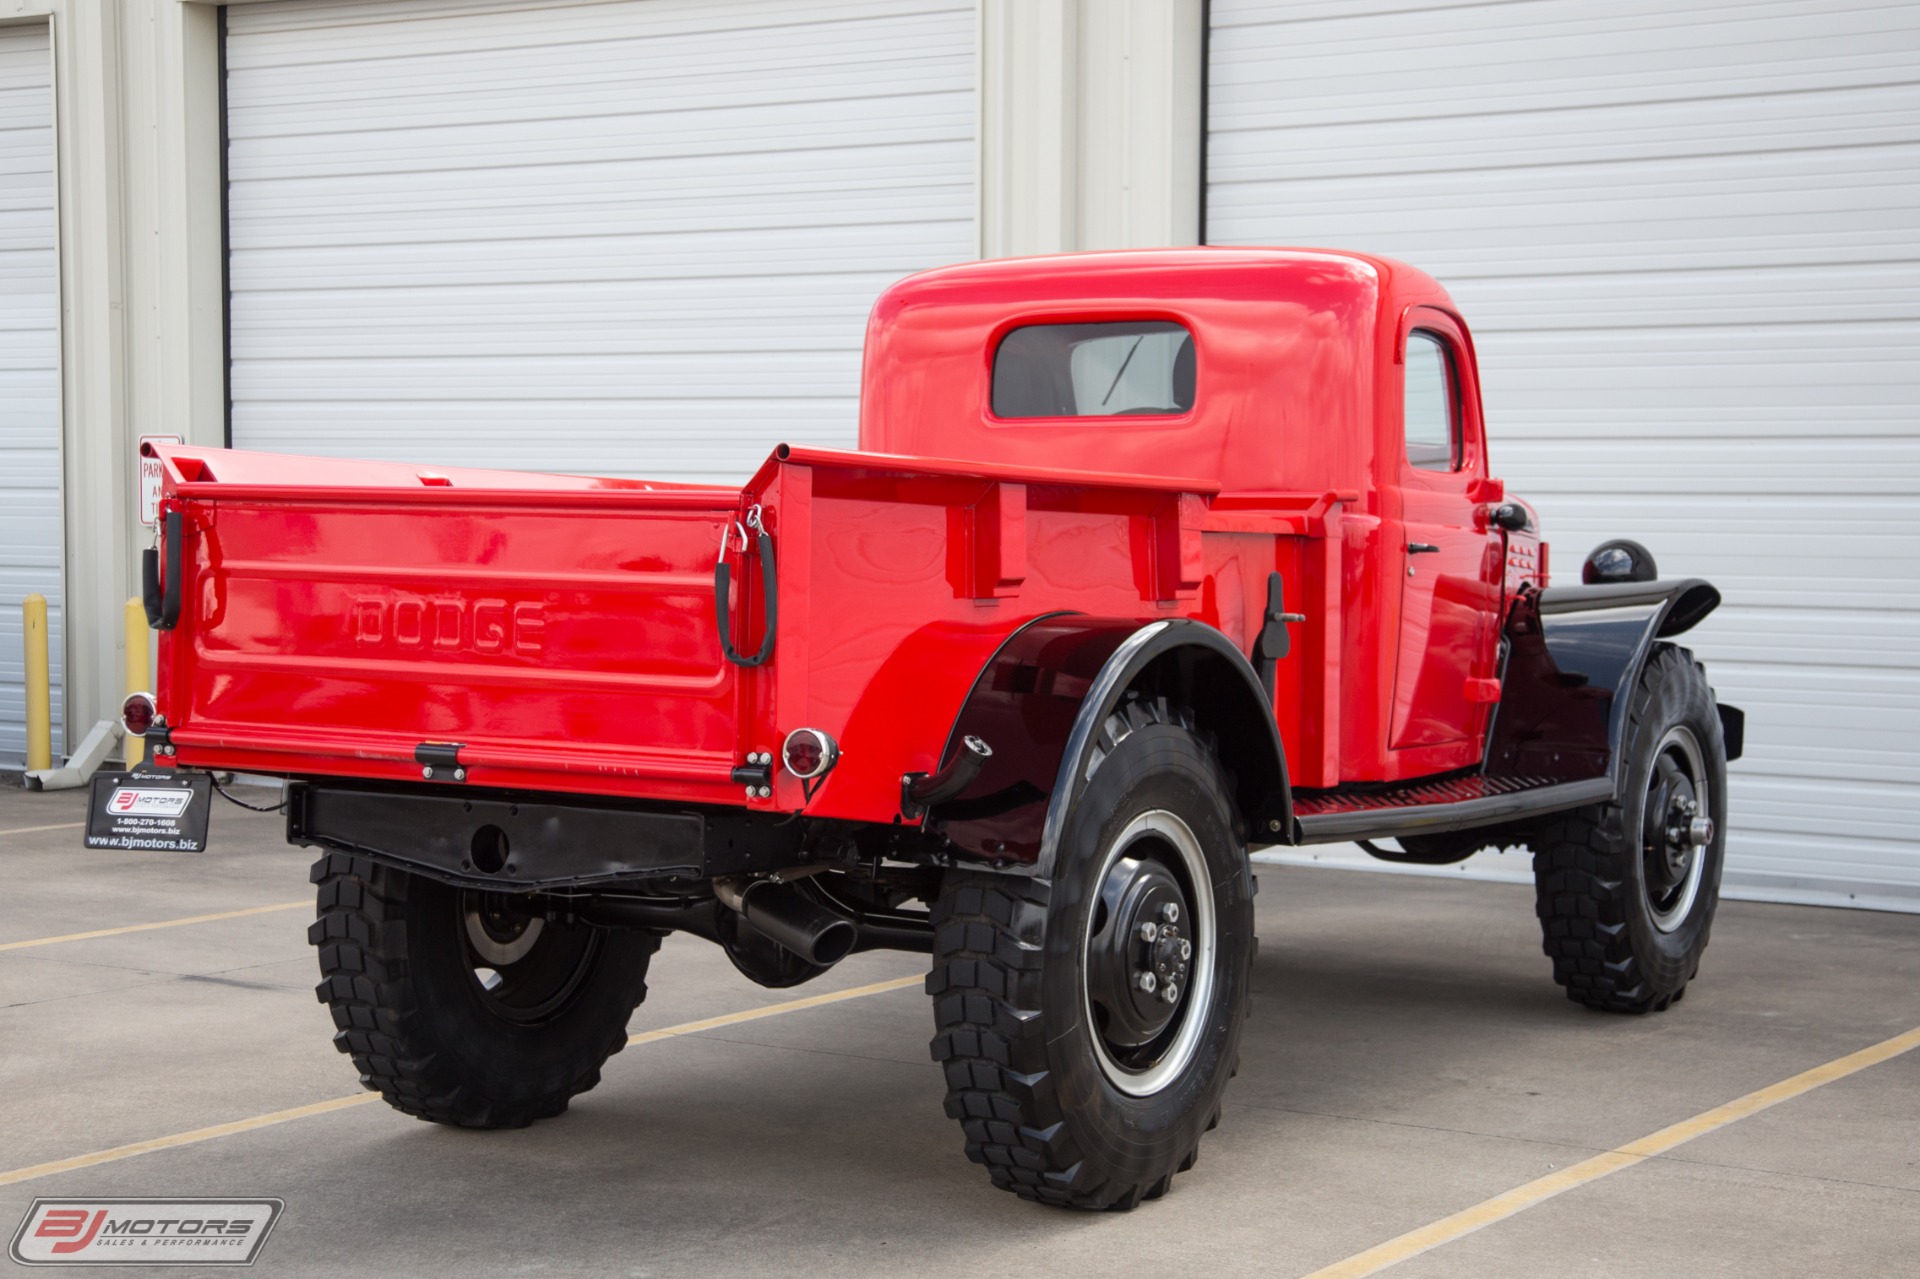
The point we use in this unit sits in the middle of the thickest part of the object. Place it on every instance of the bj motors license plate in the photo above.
(154, 809)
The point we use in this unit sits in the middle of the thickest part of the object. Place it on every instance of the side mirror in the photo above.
(1510, 516)
(1619, 561)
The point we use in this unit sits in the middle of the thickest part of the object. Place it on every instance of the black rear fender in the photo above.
(1039, 704)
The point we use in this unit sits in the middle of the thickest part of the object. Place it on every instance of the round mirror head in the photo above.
(1618, 561)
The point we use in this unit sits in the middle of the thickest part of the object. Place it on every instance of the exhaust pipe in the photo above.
(921, 791)
(791, 919)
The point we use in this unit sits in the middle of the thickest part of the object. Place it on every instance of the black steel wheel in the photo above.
(469, 1008)
(1088, 1023)
(1148, 953)
(1676, 827)
(526, 972)
(1626, 891)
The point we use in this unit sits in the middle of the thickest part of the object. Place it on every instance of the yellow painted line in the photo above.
(1521, 1198)
(118, 1153)
(774, 1010)
(238, 1126)
(165, 923)
(35, 830)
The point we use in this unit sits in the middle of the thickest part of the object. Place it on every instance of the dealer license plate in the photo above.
(154, 809)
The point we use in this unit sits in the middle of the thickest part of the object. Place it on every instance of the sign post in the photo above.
(147, 476)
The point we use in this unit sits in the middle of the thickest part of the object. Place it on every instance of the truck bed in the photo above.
(560, 634)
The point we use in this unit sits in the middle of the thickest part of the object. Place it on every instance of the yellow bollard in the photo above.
(33, 612)
(137, 676)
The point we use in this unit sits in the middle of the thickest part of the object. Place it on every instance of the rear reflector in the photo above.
(808, 753)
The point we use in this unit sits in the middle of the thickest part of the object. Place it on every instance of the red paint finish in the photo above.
(563, 629)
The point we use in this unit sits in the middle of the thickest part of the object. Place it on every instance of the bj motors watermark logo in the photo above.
(144, 1232)
(133, 801)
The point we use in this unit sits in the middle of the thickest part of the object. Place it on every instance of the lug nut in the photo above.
(1170, 913)
(1169, 993)
(1149, 931)
(1146, 981)
(1186, 950)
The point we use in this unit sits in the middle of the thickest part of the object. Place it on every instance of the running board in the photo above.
(1431, 807)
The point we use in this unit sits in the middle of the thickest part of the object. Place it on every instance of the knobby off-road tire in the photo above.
(1063, 1091)
(447, 1033)
(1625, 911)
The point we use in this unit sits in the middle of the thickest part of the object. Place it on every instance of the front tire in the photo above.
(1088, 1024)
(1626, 891)
(462, 1008)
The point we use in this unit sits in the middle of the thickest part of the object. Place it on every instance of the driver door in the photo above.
(1451, 571)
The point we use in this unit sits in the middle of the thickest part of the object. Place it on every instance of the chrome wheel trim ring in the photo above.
(1197, 1002)
(1682, 739)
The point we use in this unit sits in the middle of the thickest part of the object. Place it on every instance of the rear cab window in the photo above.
(1124, 368)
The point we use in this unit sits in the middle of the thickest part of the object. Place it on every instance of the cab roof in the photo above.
(1289, 344)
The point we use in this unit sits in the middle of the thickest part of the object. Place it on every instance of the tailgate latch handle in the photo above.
(163, 608)
(723, 587)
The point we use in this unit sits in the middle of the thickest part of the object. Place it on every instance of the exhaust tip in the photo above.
(794, 921)
(834, 943)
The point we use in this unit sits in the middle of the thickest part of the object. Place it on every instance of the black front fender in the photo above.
(1574, 655)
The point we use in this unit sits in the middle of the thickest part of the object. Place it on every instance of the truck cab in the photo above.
(1333, 391)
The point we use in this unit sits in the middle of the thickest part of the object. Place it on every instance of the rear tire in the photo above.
(1626, 909)
(460, 1008)
(1076, 1081)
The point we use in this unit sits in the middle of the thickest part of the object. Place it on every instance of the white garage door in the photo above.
(633, 238)
(1688, 237)
(30, 537)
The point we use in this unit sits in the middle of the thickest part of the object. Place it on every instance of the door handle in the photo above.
(1420, 548)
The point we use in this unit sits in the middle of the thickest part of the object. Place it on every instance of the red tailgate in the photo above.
(339, 615)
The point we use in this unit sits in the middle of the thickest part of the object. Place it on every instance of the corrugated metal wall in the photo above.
(30, 532)
(614, 238)
(1688, 239)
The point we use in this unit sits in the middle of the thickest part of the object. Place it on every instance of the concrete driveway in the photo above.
(1408, 1058)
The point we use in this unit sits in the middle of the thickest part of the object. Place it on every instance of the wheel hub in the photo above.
(1138, 962)
(498, 932)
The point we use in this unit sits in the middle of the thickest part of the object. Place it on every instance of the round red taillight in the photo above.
(808, 753)
(137, 713)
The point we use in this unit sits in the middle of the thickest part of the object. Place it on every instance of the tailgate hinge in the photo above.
(440, 758)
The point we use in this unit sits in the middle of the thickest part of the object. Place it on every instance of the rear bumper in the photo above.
(509, 841)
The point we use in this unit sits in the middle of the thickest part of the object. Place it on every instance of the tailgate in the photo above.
(361, 618)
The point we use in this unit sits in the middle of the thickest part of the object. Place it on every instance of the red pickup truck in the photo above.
(1146, 558)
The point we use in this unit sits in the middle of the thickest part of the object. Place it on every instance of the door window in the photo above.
(1433, 405)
